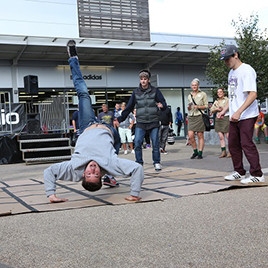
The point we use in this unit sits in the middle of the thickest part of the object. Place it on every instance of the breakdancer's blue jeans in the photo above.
(86, 113)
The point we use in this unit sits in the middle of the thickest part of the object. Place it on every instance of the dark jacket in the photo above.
(144, 100)
(165, 117)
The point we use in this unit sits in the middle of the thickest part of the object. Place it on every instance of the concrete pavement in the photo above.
(220, 229)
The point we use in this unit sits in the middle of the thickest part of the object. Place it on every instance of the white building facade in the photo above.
(110, 66)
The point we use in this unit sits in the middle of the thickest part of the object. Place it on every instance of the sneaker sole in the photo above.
(253, 183)
(234, 179)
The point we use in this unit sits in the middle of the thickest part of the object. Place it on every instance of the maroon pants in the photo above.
(240, 140)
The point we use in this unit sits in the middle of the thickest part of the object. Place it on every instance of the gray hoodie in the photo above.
(94, 144)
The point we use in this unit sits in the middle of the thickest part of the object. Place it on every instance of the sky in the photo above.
(58, 18)
(204, 17)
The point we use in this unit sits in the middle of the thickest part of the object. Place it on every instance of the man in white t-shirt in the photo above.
(243, 111)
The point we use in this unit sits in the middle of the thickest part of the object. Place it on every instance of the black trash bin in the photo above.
(9, 150)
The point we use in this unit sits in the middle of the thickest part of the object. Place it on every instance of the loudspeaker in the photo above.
(33, 124)
(31, 84)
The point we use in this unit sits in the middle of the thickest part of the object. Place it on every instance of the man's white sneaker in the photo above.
(253, 180)
(157, 167)
(235, 176)
(125, 152)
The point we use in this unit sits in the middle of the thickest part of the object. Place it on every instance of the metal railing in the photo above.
(6, 114)
(53, 114)
(50, 116)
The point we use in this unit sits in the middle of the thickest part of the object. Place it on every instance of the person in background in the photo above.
(260, 125)
(133, 125)
(147, 100)
(106, 116)
(186, 129)
(124, 130)
(117, 109)
(197, 100)
(165, 117)
(75, 124)
(75, 121)
(147, 144)
(178, 120)
(221, 124)
(117, 112)
(243, 112)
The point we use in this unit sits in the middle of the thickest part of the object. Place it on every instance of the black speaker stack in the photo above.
(33, 124)
(31, 84)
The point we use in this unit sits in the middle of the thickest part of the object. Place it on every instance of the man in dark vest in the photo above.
(147, 100)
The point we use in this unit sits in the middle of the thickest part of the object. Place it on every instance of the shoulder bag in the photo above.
(205, 117)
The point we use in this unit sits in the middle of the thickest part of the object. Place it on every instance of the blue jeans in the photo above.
(139, 137)
(86, 112)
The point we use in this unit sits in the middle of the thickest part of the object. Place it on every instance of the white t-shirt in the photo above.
(240, 82)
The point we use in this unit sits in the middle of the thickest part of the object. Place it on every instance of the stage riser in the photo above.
(47, 143)
(45, 149)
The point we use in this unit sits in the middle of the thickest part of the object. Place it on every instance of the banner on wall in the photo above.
(12, 119)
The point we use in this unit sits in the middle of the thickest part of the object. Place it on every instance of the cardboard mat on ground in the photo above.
(27, 195)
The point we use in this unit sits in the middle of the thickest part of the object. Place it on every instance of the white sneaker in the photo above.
(125, 152)
(157, 167)
(252, 179)
(132, 151)
(235, 176)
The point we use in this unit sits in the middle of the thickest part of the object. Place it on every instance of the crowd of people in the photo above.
(101, 137)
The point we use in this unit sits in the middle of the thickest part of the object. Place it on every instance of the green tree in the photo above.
(252, 44)
(216, 71)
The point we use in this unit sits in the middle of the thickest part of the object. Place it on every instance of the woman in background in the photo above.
(197, 100)
(221, 124)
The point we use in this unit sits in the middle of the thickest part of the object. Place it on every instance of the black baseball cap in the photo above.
(228, 51)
